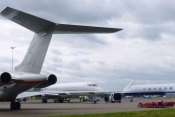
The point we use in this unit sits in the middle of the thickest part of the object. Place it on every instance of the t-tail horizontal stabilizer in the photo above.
(43, 30)
(39, 25)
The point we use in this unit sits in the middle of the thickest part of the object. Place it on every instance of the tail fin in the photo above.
(34, 58)
(128, 86)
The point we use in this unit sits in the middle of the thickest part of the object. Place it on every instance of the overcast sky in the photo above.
(143, 50)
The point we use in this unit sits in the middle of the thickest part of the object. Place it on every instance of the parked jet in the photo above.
(64, 91)
(151, 89)
(28, 74)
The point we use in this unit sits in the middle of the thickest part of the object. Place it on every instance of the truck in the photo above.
(112, 97)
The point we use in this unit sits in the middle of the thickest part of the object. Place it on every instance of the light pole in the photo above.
(12, 56)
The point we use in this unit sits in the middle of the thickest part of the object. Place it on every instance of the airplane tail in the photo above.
(43, 29)
(128, 86)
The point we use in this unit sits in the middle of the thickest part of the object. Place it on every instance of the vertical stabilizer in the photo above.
(35, 55)
(128, 86)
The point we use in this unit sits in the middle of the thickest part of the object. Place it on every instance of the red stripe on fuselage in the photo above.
(29, 82)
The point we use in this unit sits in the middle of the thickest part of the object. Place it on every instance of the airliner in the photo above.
(28, 74)
(64, 91)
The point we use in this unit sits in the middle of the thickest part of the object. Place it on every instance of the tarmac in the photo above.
(37, 109)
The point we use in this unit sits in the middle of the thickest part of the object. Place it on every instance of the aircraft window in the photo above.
(94, 85)
(144, 89)
(160, 88)
(89, 85)
(149, 88)
(171, 88)
(165, 88)
(154, 88)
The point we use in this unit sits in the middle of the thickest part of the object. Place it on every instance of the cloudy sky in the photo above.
(143, 50)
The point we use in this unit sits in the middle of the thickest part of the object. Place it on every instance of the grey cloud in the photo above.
(74, 66)
(101, 62)
(78, 41)
(56, 51)
(67, 11)
(86, 61)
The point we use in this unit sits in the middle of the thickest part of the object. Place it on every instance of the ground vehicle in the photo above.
(112, 97)
(157, 104)
(91, 98)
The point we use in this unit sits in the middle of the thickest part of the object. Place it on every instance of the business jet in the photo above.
(151, 89)
(148, 90)
(28, 74)
(64, 91)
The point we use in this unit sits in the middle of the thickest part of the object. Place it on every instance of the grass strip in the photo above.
(147, 113)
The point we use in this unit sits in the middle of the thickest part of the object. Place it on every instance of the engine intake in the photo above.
(5, 77)
(52, 79)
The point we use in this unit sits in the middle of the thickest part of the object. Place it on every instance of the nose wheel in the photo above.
(15, 105)
(94, 99)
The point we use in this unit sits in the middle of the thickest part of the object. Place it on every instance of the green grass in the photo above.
(149, 113)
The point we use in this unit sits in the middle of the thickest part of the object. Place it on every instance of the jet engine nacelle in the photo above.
(5, 77)
(16, 77)
(50, 80)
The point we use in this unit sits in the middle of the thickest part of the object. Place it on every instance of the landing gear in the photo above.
(44, 100)
(60, 100)
(94, 99)
(24, 99)
(94, 102)
(15, 105)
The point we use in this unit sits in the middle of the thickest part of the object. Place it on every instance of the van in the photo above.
(113, 97)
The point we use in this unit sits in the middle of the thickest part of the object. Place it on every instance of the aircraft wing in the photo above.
(29, 94)
(56, 93)
(81, 92)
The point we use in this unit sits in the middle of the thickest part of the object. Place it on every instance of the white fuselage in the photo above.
(72, 89)
(151, 89)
